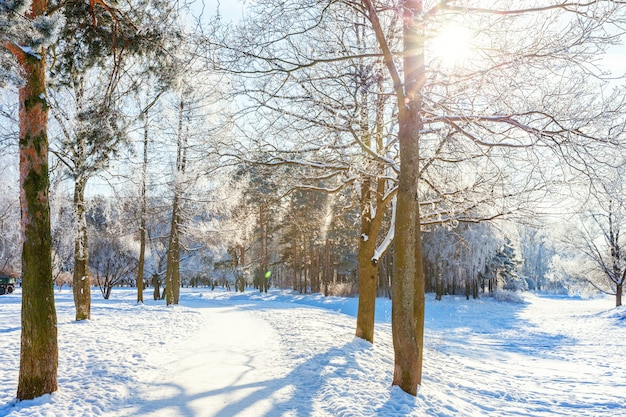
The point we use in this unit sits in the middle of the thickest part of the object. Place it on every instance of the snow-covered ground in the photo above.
(281, 354)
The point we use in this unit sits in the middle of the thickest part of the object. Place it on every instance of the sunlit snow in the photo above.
(281, 354)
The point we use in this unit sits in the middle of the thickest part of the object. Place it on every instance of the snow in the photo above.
(284, 354)
(28, 50)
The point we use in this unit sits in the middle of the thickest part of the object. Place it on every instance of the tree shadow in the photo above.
(294, 393)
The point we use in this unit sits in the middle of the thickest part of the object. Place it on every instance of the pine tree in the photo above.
(39, 351)
(97, 42)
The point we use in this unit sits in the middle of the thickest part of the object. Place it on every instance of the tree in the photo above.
(62, 242)
(172, 274)
(112, 260)
(90, 136)
(464, 133)
(418, 110)
(503, 268)
(38, 360)
(39, 351)
(329, 126)
(143, 212)
(455, 258)
(91, 71)
(537, 252)
(598, 238)
(9, 217)
(195, 129)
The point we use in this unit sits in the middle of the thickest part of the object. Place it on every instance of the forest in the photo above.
(354, 148)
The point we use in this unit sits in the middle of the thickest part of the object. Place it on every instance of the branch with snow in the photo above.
(386, 244)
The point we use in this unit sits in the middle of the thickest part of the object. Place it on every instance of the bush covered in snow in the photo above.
(508, 296)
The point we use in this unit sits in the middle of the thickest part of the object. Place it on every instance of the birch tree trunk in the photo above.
(82, 280)
(39, 349)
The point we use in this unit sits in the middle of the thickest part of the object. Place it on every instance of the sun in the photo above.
(450, 45)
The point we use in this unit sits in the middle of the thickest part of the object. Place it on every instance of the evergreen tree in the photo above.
(97, 44)
(39, 350)
(503, 268)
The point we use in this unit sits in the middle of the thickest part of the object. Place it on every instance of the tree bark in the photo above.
(368, 280)
(172, 274)
(82, 281)
(371, 224)
(367, 270)
(263, 278)
(157, 287)
(39, 349)
(408, 278)
(408, 271)
(142, 225)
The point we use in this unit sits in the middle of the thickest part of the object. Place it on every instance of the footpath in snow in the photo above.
(224, 354)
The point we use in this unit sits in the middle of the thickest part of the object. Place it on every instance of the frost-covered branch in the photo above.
(386, 243)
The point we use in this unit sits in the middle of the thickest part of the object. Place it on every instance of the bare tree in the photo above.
(599, 240)
(111, 261)
(196, 128)
(464, 133)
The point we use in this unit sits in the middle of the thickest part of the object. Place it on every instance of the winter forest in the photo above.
(384, 207)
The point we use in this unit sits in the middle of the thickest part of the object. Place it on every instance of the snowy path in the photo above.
(268, 359)
(224, 354)
(227, 368)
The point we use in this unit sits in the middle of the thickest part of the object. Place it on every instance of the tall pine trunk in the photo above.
(172, 273)
(39, 349)
(263, 278)
(143, 214)
(82, 280)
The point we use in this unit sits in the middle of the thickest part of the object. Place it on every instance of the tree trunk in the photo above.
(172, 275)
(408, 278)
(295, 265)
(408, 271)
(39, 349)
(368, 274)
(140, 266)
(157, 287)
(438, 285)
(107, 291)
(368, 280)
(263, 279)
(408, 275)
(371, 224)
(618, 293)
(82, 281)
(142, 225)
